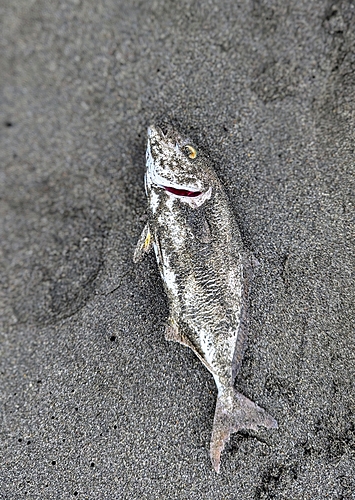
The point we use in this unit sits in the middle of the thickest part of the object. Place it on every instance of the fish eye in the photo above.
(191, 152)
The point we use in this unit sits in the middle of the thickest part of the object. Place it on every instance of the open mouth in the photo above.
(182, 192)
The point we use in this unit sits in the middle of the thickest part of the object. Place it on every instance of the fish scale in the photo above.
(204, 268)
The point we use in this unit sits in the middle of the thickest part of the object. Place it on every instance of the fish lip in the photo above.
(193, 201)
(169, 189)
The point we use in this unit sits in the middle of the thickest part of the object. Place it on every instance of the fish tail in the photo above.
(235, 412)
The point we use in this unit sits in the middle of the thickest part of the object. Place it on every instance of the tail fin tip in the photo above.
(229, 418)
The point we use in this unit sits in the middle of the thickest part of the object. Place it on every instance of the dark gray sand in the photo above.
(95, 404)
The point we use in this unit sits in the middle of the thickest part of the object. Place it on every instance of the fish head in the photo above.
(175, 167)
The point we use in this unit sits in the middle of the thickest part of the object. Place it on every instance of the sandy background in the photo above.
(94, 403)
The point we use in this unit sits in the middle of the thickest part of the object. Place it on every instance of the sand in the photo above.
(94, 403)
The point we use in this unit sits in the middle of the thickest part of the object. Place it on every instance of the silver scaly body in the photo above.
(204, 268)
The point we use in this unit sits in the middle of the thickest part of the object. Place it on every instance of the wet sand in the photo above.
(94, 402)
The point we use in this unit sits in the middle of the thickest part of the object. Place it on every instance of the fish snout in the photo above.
(155, 133)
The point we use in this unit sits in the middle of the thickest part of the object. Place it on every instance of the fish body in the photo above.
(205, 272)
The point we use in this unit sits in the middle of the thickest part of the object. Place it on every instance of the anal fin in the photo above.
(173, 333)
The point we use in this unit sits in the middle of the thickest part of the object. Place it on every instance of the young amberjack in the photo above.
(205, 272)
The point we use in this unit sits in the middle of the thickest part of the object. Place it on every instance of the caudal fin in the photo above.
(231, 415)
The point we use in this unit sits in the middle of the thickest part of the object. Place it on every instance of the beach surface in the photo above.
(94, 403)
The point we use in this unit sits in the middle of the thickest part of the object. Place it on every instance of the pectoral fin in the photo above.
(144, 244)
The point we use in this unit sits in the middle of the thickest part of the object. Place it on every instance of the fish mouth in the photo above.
(182, 192)
(194, 198)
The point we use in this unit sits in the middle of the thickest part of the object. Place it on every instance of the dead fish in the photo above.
(204, 268)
